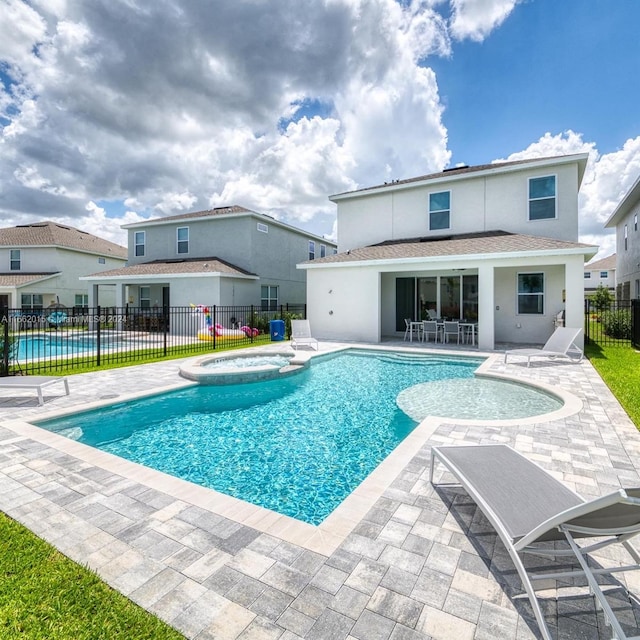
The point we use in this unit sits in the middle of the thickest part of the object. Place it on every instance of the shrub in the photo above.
(617, 324)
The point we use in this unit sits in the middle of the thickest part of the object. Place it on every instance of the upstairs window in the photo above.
(312, 250)
(323, 250)
(182, 237)
(138, 242)
(263, 227)
(635, 221)
(439, 210)
(587, 274)
(604, 274)
(626, 237)
(15, 260)
(102, 261)
(531, 293)
(542, 198)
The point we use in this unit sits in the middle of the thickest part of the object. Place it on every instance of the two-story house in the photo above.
(624, 220)
(223, 256)
(600, 273)
(41, 264)
(493, 244)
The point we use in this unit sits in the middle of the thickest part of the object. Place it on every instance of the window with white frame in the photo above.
(587, 274)
(626, 237)
(542, 198)
(268, 297)
(604, 274)
(334, 251)
(323, 250)
(182, 239)
(312, 250)
(635, 221)
(31, 301)
(439, 210)
(637, 288)
(263, 227)
(145, 297)
(102, 261)
(530, 293)
(16, 260)
(81, 301)
(138, 243)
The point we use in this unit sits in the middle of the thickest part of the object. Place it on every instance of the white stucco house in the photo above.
(226, 256)
(41, 264)
(600, 273)
(497, 244)
(624, 220)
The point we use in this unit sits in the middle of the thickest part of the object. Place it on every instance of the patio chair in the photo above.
(561, 344)
(430, 327)
(450, 329)
(301, 334)
(526, 506)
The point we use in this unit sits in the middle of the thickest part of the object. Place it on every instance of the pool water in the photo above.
(51, 345)
(248, 362)
(296, 445)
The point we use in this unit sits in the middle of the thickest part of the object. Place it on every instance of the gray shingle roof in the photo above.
(490, 242)
(173, 267)
(217, 211)
(18, 279)
(48, 234)
(607, 263)
(454, 171)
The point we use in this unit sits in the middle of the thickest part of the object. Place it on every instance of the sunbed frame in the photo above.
(526, 506)
(33, 382)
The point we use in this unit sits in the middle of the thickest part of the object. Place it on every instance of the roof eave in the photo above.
(589, 250)
(164, 276)
(625, 205)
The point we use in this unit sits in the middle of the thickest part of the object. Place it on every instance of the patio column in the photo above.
(574, 293)
(486, 306)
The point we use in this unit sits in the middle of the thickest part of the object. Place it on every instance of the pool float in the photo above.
(207, 331)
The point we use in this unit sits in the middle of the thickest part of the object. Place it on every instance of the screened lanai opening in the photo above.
(450, 297)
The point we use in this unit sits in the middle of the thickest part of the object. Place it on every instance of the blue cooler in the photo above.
(276, 329)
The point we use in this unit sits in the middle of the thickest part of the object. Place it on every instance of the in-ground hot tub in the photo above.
(236, 368)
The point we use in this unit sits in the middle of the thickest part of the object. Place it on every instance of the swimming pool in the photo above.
(52, 345)
(297, 445)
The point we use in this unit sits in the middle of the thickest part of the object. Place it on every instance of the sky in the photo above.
(116, 111)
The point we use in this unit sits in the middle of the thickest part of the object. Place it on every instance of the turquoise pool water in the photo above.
(52, 345)
(298, 445)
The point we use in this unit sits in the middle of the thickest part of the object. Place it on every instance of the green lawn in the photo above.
(619, 367)
(46, 596)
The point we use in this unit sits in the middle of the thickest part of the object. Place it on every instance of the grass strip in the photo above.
(619, 367)
(46, 596)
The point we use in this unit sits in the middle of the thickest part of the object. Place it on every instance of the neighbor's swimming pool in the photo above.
(52, 345)
(296, 445)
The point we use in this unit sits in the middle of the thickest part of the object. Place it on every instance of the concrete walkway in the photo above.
(403, 561)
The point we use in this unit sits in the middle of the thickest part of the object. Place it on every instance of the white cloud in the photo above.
(475, 19)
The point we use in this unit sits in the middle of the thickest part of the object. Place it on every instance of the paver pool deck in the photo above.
(400, 561)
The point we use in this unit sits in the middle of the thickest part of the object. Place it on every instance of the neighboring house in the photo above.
(600, 273)
(223, 256)
(496, 244)
(41, 264)
(625, 221)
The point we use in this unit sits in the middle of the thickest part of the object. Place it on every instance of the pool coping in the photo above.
(326, 537)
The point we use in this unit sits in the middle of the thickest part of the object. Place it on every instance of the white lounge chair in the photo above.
(561, 344)
(301, 334)
(33, 382)
(527, 506)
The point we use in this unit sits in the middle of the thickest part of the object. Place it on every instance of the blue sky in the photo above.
(551, 66)
(114, 112)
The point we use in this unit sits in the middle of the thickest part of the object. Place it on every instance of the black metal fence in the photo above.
(613, 323)
(56, 340)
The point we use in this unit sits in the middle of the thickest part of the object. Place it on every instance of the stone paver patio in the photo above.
(403, 561)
